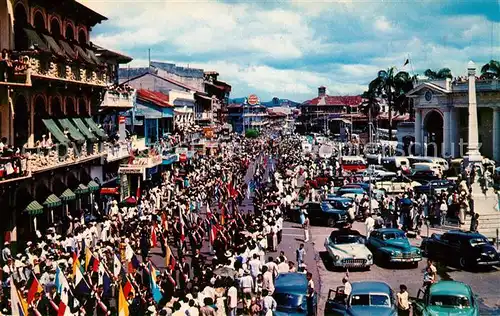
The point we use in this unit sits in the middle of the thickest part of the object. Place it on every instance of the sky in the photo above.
(290, 48)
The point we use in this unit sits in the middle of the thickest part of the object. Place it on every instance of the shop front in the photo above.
(133, 176)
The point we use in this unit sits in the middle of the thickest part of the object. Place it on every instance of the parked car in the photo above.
(434, 186)
(290, 294)
(395, 184)
(327, 214)
(366, 298)
(346, 249)
(446, 298)
(465, 249)
(391, 245)
(423, 176)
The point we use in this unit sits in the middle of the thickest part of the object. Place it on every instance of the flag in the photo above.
(117, 266)
(17, 302)
(76, 263)
(169, 259)
(406, 62)
(127, 287)
(88, 258)
(164, 222)
(63, 288)
(133, 263)
(183, 236)
(153, 237)
(104, 280)
(209, 212)
(213, 234)
(222, 215)
(81, 285)
(33, 287)
(155, 289)
(122, 304)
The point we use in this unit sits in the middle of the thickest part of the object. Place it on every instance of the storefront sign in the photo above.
(147, 162)
(170, 159)
(121, 119)
(109, 191)
(130, 169)
(253, 99)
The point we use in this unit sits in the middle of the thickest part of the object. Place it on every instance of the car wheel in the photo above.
(331, 222)
(462, 263)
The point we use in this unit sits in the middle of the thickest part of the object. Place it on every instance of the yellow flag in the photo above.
(122, 304)
(88, 256)
(167, 256)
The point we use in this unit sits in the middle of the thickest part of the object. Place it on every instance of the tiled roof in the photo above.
(154, 97)
(336, 100)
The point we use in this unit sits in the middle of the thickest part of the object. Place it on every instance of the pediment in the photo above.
(422, 88)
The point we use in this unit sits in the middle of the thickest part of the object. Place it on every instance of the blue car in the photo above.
(366, 298)
(392, 246)
(326, 213)
(290, 294)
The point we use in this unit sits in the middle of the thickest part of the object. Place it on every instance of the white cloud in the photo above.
(382, 24)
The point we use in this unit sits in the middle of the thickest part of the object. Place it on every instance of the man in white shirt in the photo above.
(283, 267)
(272, 267)
(232, 299)
(255, 267)
(267, 280)
(369, 224)
(269, 304)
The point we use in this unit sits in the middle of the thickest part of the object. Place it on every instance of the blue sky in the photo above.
(289, 48)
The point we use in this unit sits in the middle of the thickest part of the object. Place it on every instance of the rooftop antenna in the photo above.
(149, 57)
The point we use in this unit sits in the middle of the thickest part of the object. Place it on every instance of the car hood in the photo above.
(402, 244)
(352, 249)
(281, 313)
(448, 311)
(371, 310)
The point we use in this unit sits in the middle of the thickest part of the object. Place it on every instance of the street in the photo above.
(484, 284)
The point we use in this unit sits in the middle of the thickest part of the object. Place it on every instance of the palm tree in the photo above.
(370, 107)
(491, 70)
(392, 86)
(442, 73)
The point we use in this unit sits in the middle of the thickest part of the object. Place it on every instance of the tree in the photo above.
(393, 87)
(442, 73)
(370, 107)
(491, 70)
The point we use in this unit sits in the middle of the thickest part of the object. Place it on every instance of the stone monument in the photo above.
(473, 154)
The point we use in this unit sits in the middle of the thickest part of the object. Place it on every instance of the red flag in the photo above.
(95, 264)
(153, 237)
(183, 236)
(127, 288)
(62, 309)
(34, 287)
(213, 234)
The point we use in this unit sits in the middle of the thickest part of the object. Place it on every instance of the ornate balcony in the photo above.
(13, 167)
(45, 68)
(118, 151)
(15, 71)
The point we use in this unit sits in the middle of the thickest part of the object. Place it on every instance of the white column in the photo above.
(473, 143)
(454, 135)
(496, 134)
(418, 132)
(446, 133)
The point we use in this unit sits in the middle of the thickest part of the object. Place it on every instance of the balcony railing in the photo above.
(13, 167)
(118, 151)
(118, 100)
(44, 68)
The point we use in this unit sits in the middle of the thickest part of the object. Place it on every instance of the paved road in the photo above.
(484, 284)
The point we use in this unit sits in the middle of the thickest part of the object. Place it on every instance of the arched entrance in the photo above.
(70, 108)
(40, 113)
(82, 107)
(56, 107)
(55, 28)
(20, 22)
(21, 119)
(433, 133)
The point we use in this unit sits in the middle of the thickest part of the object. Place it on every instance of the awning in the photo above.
(67, 195)
(55, 131)
(81, 189)
(73, 131)
(34, 208)
(67, 49)
(84, 129)
(203, 97)
(83, 55)
(35, 40)
(92, 56)
(93, 126)
(93, 186)
(52, 201)
(53, 46)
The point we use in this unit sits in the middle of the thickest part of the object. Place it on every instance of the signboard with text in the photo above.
(253, 99)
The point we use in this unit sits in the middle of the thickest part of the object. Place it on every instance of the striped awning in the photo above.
(67, 195)
(34, 208)
(93, 186)
(81, 189)
(52, 201)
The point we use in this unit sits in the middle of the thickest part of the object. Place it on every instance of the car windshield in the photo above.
(287, 301)
(370, 300)
(340, 240)
(478, 242)
(450, 300)
(393, 235)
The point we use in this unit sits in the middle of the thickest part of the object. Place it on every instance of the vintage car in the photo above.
(465, 249)
(346, 249)
(391, 245)
(366, 298)
(290, 294)
(434, 187)
(395, 184)
(446, 298)
(325, 213)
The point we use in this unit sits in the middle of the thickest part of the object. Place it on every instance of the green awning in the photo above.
(35, 40)
(73, 131)
(81, 189)
(93, 186)
(55, 131)
(67, 195)
(93, 126)
(34, 208)
(52, 201)
(84, 129)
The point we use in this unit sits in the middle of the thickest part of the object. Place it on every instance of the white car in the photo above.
(346, 249)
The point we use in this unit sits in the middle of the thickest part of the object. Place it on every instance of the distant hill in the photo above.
(272, 103)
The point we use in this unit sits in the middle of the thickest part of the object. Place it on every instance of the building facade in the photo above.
(441, 116)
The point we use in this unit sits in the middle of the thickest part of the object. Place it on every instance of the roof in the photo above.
(106, 53)
(74, 10)
(335, 100)
(450, 288)
(291, 283)
(366, 287)
(151, 73)
(154, 97)
(465, 234)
